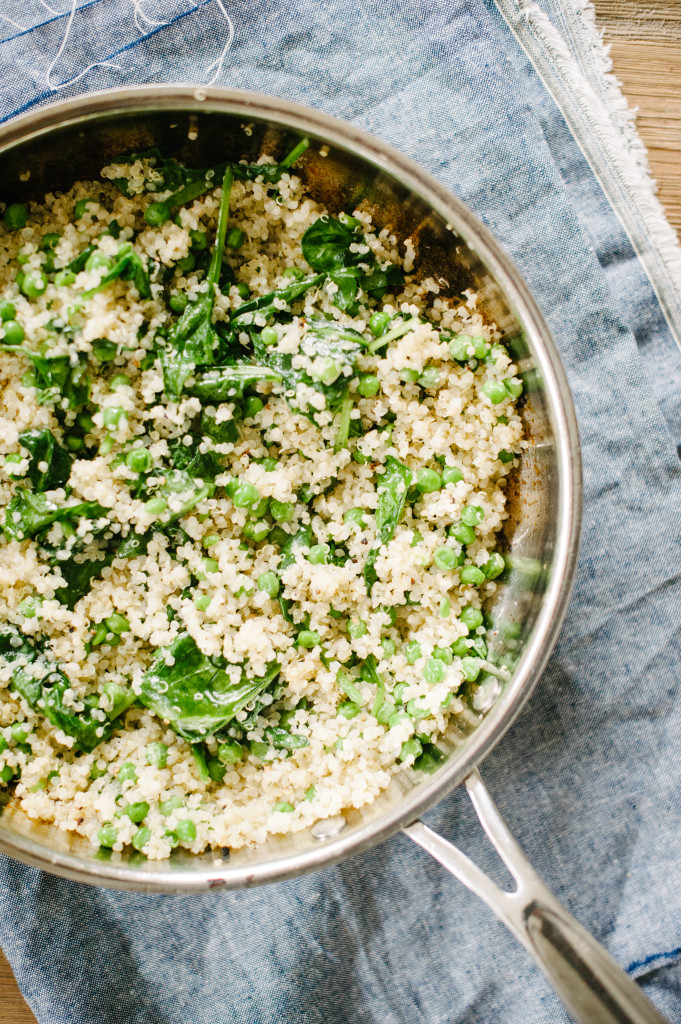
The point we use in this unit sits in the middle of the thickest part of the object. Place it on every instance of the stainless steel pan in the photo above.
(71, 141)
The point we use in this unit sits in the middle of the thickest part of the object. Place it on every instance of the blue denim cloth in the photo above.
(589, 777)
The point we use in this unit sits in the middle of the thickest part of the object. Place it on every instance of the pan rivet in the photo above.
(328, 828)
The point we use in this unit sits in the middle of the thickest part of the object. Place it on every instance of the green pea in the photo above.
(348, 709)
(409, 376)
(398, 717)
(12, 462)
(451, 475)
(186, 830)
(173, 803)
(81, 207)
(127, 772)
(33, 284)
(155, 506)
(470, 668)
(389, 647)
(243, 290)
(256, 531)
(13, 332)
(157, 754)
(75, 444)
(378, 323)
(98, 261)
(385, 712)
(235, 238)
(64, 278)
(430, 377)
(470, 574)
(427, 480)
(357, 628)
(445, 558)
(107, 835)
(416, 708)
(19, 732)
(6, 774)
(8, 310)
(494, 566)
(186, 264)
(269, 336)
(119, 381)
(117, 623)
(309, 638)
(268, 582)
(206, 567)
(112, 416)
(30, 606)
(412, 748)
(3, 744)
(460, 347)
(96, 772)
(137, 812)
(245, 495)
(157, 214)
(16, 216)
(412, 652)
(463, 533)
(252, 406)
(230, 752)
(368, 385)
(141, 838)
(494, 390)
(178, 302)
(354, 517)
(444, 654)
(471, 617)
(282, 511)
(278, 537)
(434, 670)
(293, 274)
(202, 602)
(139, 460)
(319, 554)
(513, 387)
(50, 241)
(472, 515)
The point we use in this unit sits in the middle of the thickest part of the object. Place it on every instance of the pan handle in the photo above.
(592, 986)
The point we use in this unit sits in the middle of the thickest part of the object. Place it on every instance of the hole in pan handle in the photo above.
(593, 987)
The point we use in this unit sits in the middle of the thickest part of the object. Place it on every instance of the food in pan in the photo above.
(252, 478)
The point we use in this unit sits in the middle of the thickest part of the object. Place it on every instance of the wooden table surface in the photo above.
(645, 39)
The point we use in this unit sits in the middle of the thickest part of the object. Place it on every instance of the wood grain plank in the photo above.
(645, 37)
(13, 1008)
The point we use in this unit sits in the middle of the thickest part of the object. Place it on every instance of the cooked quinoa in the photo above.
(253, 472)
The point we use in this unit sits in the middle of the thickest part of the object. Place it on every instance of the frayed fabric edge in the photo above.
(579, 76)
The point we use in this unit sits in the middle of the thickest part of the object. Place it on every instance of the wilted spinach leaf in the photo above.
(326, 245)
(28, 514)
(392, 494)
(43, 448)
(42, 684)
(196, 695)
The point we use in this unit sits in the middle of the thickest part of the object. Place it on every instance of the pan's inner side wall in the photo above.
(338, 180)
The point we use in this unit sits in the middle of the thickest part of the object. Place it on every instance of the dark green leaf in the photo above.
(266, 303)
(326, 245)
(43, 448)
(196, 694)
(392, 494)
(28, 514)
(42, 684)
(224, 383)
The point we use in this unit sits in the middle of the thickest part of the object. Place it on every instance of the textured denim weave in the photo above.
(589, 777)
